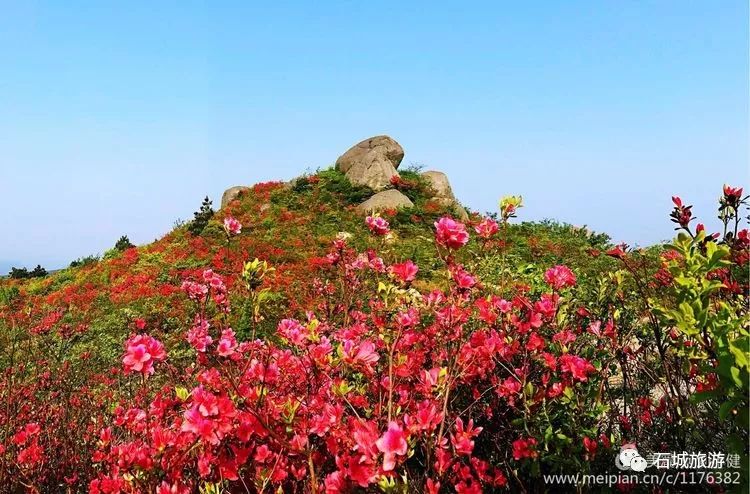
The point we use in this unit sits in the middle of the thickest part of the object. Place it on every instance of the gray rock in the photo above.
(444, 193)
(375, 174)
(372, 162)
(383, 147)
(387, 199)
(440, 184)
(461, 213)
(231, 194)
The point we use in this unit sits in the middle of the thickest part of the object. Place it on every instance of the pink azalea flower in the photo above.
(363, 353)
(391, 444)
(232, 226)
(450, 233)
(198, 336)
(377, 225)
(141, 352)
(504, 306)
(408, 318)
(195, 291)
(293, 331)
(564, 337)
(463, 278)
(559, 277)
(227, 343)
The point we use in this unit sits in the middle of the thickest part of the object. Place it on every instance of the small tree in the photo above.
(84, 261)
(202, 217)
(38, 272)
(19, 273)
(23, 273)
(123, 243)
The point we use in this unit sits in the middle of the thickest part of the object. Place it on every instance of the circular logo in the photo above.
(630, 459)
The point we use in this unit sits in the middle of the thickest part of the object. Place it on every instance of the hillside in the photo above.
(290, 226)
(294, 341)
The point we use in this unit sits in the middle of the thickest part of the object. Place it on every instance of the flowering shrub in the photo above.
(432, 363)
(399, 386)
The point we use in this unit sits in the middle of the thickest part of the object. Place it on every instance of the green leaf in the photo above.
(740, 357)
(725, 409)
(735, 372)
(182, 393)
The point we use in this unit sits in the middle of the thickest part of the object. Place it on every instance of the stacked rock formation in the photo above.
(373, 163)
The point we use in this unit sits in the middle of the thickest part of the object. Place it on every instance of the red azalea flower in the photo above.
(486, 228)
(577, 367)
(535, 342)
(524, 448)
(732, 194)
(463, 439)
(590, 445)
(618, 251)
(405, 272)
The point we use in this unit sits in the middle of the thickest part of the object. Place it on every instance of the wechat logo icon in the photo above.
(630, 459)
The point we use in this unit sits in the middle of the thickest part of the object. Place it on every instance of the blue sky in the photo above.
(118, 118)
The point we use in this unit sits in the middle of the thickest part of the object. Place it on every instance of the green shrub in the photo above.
(123, 243)
(335, 182)
(23, 273)
(202, 216)
(84, 261)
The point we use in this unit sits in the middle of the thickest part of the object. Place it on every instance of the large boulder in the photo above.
(387, 199)
(231, 194)
(372, 162)
(379, 146)
(439, 183)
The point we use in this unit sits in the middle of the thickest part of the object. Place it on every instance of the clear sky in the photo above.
(118, 117)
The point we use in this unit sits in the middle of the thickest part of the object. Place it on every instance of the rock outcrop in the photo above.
(231, 194)
(372, 162)
(444, 193)
(387, 199)
(440, 184)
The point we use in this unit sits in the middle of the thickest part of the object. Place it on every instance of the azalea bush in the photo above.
(379, 385)
(465, 358)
